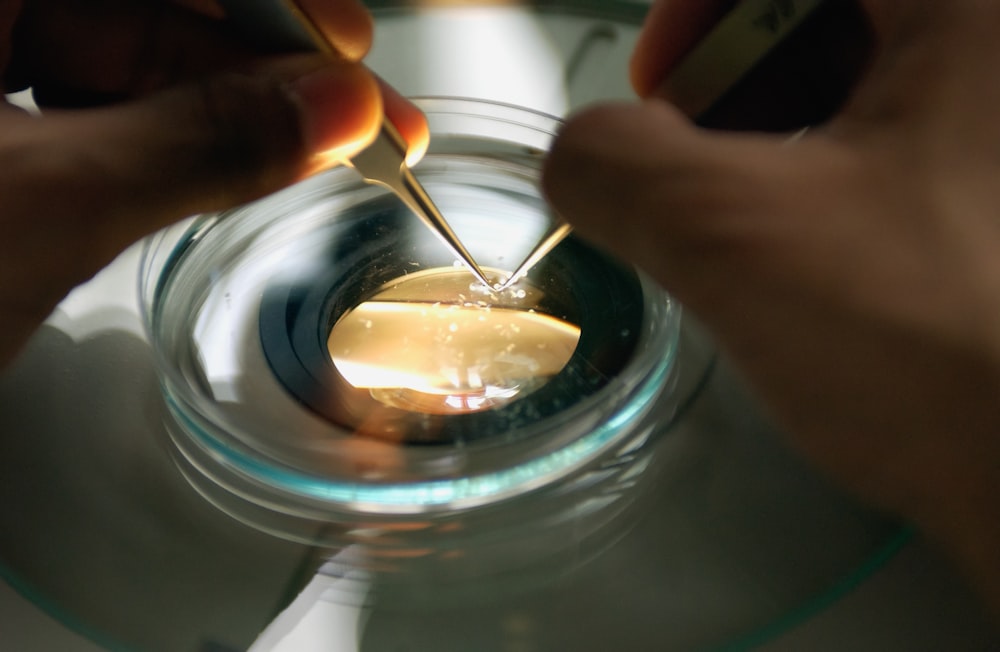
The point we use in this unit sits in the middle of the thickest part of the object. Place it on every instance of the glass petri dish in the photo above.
(336, 378)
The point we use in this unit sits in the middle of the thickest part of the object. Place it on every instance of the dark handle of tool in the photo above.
(804, 80)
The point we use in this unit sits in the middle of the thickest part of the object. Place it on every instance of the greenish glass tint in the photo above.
(238, 309)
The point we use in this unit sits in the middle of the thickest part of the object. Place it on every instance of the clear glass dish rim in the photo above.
(650, 376)
(634, 399)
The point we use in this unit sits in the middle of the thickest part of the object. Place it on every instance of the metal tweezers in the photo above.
(284, 25)
(384, 162)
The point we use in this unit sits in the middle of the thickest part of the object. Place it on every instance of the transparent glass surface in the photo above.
(337, 378)
(733, 541)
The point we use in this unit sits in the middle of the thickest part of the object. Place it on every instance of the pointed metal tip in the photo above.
(556, 235)
(478, 272)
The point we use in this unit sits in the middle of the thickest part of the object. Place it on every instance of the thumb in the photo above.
(78, 187)
(673, 199)
(129, 169)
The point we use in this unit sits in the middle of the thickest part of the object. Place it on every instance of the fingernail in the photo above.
(341, 108)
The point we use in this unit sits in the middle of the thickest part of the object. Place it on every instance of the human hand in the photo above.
(852, 275)
(151, 111)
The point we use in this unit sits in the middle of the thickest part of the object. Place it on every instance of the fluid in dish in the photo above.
(439, 342)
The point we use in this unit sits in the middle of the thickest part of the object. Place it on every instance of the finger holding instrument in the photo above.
(300, 24)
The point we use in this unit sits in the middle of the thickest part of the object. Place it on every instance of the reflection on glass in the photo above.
(438, 342)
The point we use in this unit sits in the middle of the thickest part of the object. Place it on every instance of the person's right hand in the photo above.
(151, 111)
(853, 275)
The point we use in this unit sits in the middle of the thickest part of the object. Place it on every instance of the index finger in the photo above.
(671, 29)
(345, 24)
(338, 29)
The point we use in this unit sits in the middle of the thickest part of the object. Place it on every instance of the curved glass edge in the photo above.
(52, 609)
(824, 599)
(450, 494)
(699, 343)
(489, 111)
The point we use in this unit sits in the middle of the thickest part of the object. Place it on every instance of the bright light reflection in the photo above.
(428, 343)
(502, 52)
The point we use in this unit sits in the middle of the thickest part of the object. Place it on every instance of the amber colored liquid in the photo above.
(437, 342)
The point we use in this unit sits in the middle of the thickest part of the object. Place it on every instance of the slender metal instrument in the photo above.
(284, 25)
(744, 36)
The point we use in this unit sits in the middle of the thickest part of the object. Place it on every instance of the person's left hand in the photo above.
(153, 110)
(852, 275)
